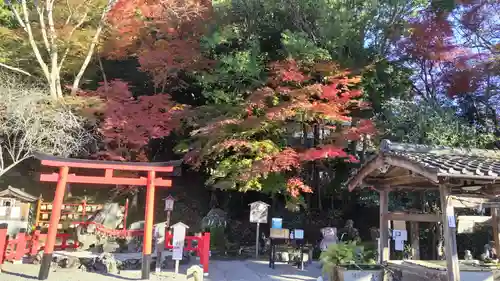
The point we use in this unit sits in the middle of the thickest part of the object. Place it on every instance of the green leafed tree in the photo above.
(423, 122)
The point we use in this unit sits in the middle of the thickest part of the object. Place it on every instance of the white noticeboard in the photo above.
(399, 245)
(178, 242)
(258, 212)
(400, 235)
(298, 233)
(15, 212)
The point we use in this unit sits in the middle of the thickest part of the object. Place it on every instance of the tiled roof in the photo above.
(17, 193)
(446, 161)
(433, 162)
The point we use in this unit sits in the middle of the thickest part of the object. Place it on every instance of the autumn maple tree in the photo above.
(454, 53)
(251, 147)
(127, 124)
(163, 35)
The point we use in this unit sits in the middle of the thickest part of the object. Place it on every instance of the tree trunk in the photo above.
(315, 168)
(90, 53)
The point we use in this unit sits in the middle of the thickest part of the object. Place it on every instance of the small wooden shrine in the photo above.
(453, 172)
(16, 208)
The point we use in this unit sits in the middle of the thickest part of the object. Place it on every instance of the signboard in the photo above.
(399, 244)
(400, 235)
(279, 233)
(277, 223)
(399, 225)
(178, 240)
(258, 212)
(298, 233)
(15, 212)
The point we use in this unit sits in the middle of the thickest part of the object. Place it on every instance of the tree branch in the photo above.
(43, 28)
(93, 43)
(80, 22)
(15, 69)
(27, 27)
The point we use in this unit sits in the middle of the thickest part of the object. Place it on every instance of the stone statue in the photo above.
(349, 232)
(374, 233)
(215, 218)
(329, 237)
(87, 234)
(468, 256)
(489, 252)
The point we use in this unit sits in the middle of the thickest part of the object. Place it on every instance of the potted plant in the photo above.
(350, 262)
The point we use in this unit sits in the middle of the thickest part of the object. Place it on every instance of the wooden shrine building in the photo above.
(16, 209)
(454, 172)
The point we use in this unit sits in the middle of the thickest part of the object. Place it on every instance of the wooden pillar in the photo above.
(43, 274)
(450, 234)
(384, 251)
(495, 225)
(148, 226)
(415, 240)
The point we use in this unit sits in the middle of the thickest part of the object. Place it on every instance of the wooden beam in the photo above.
(495, 225)
(400, 216)
(450, 234)
(474, 201)
(384, 250)
(72, 178)
(418, 169)
(399, 180)
(364, 172)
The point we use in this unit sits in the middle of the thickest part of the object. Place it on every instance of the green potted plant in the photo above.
(349, 262)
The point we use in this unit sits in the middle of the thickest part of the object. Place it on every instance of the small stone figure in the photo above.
(349, 232)
(489, 252)
(329, 237)
(374, 233)
(468, 256)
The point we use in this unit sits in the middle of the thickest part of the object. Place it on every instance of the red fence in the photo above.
(15, 249)
(202, 247)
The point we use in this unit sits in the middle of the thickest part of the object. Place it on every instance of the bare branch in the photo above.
(31, 38)
(18, 17)
(43, 28)
(30, 121)
(93, 43)
(70, 35)
(15, 69)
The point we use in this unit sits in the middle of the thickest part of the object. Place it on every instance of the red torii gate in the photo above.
(63, 177)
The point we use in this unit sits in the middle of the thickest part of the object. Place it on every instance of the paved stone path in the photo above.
(219, 271)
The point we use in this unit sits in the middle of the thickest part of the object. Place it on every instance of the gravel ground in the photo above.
(219, 271)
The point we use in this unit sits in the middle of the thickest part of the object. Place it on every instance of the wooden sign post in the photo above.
(169, 207)
(178, 243)
(258, 214)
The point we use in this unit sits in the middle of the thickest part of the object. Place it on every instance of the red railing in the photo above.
(202, 247)
(15, 249)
